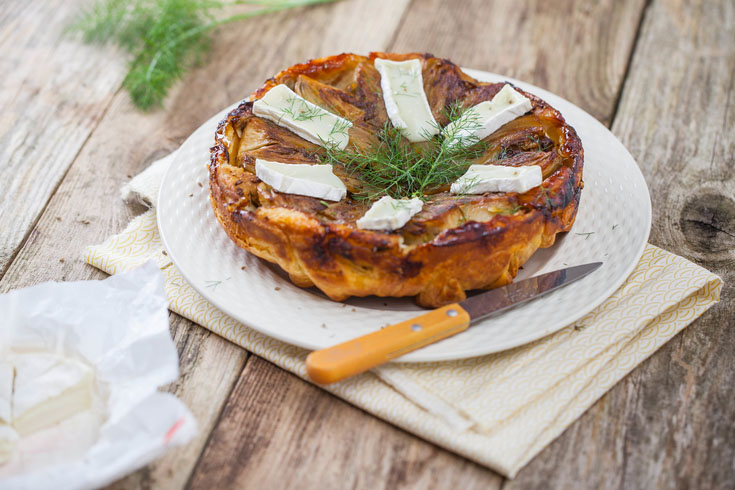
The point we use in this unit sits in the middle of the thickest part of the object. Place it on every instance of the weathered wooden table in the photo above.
(660, 73)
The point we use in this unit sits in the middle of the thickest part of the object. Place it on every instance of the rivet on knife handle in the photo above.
(357, 355)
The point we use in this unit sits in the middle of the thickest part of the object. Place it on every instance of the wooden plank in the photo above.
(578, 50)
(209, 368)
(669, 424)
(53, 93)
(279, 432)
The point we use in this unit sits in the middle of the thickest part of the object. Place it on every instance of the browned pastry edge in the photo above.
(343, 261)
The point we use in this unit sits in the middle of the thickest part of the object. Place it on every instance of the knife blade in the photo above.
(360, 354)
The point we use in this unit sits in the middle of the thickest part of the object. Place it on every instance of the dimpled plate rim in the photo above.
(612, 225)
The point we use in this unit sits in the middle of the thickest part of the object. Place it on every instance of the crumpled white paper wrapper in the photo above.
(120, 327)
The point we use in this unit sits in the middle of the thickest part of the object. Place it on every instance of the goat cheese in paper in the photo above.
(81, 366)
(480, 121)
(390, 214)
(48, 388)
(302, 179)
(405, 100)
(497, 178)
(286, 108)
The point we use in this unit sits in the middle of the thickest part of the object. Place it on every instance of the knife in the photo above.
(357, 355)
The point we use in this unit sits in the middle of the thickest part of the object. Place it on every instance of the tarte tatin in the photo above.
(456, 243)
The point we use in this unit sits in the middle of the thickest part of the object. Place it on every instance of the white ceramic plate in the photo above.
(612, 226)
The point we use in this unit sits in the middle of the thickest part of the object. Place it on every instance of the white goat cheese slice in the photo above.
(302, 179)
(497, 178)
(405, 99)
(48, 389)
(286, 108)
(389, 214)
(480, 121)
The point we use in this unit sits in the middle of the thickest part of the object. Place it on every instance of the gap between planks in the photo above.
(192, 469)
(636, 38)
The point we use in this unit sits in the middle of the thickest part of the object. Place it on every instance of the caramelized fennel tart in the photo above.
(455, 243)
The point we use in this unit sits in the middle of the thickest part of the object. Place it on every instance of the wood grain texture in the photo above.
(677, 117)
(209, 366)
(578, 50)
(279, 432)
(53, 93)
(669, 424)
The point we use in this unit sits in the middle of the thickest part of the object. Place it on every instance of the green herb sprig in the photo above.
(397, 168)
(299, 110)
(340, 128)
(164, 37)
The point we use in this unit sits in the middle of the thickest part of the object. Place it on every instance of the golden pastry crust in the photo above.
(455, 244)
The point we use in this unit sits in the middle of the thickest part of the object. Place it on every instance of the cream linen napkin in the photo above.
(499, 410)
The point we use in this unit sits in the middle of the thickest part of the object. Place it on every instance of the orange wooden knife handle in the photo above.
(357, 355)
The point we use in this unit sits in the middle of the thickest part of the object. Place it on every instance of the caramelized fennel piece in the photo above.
(444, 84)
(368, 90)
(339, 102)
(523, 141)
(446, 211)
(338, 72)
(266, 140)
(327, 97)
